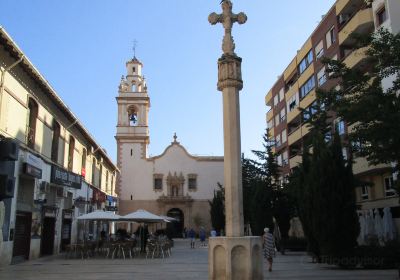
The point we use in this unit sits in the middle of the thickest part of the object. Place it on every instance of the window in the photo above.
(270, 124)
(107, 189)
(133, 69)
(321, 76)
(340, 127)
(307, 87)
(381, 16)
(319, 49)
(330, 37)
(277, 119)
(93, 170)
(281, 94)
(344, 153)
(278, 140)
(305, 62)
(71, 150)
(282, 115)
(292, 103)
(284, 136)
(276, 100)
(33, 114)
(364, 193)
(279, 160)
(285, 160)
(112, 184)
(133, 119)
(192, 181)
(158, 181)
(100, 175)
(389, 191)
(83, 170)
(55, 141)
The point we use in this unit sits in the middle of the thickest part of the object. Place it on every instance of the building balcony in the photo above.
(295, 161)
(292, 114)
(292, 90)
(298, 134)
(309, 99)
(268, 98)
(361, 22)
(270, 114)
(356, 58)
(347, 6)
(290, 69)
(306, 75)
(361, 167)
(133, 130)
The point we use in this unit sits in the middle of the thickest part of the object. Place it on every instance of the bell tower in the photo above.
(133, 109)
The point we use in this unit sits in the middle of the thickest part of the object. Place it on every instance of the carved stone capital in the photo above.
(230, 72)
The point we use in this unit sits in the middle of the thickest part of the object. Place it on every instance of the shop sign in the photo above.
(66, 178)
(112, 208)
(32, 170)
(32, 166)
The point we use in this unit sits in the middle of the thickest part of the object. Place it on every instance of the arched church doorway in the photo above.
(175, 228)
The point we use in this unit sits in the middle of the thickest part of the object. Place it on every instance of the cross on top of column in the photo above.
(227, 18)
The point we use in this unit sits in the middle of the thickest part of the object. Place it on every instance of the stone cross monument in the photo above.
(233, 256)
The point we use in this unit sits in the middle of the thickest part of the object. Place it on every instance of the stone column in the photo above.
(230, 82)
(233, 257)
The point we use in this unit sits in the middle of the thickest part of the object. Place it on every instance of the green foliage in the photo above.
(217, 209)
(249, 177)
(324, 188)
(362, 101)
(264, 172)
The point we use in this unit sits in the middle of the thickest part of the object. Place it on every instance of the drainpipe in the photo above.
(3, 74)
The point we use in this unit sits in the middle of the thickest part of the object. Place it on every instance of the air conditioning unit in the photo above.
(65, 193)
(7, 184)
(44, 187)
(8, 149)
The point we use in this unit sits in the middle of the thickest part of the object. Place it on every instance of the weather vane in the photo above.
(135, 43)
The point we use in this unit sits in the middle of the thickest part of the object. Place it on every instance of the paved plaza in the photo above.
(185, 263)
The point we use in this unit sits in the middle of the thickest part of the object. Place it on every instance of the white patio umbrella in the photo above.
(362, 235)
(168, 219)
(378, 223)
(142, 216)
(369, 224)
(100, 216)
(388, 227)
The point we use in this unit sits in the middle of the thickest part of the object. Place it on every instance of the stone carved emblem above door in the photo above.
(175, 184)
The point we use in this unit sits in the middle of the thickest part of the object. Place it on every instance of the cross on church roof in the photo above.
(227, 18)
(175, 137)
(135, 43)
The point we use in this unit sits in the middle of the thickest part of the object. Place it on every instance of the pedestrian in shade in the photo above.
(269, 247)
(192, 236)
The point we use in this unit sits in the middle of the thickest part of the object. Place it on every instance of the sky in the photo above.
(81, 46)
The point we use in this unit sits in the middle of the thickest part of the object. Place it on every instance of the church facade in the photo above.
(175, 183)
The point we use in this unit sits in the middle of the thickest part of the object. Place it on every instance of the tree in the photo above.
(325, 190)
(217, 209)
(264, 182)
(249, 177)
(361, 100)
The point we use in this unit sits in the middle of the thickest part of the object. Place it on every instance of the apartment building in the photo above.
(296, 88)
(51, 169)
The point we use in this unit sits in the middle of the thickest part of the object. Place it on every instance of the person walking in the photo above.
(192, 236)
(202, 235)
(269, 247)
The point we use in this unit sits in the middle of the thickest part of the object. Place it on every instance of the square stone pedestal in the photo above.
(235, 258)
